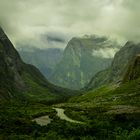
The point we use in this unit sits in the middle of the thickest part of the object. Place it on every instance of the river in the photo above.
(45, 120)
(61, 115)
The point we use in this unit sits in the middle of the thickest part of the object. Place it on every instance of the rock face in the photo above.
(133, 71)
(44, 59)
(82, 59)
(18, 80)
(120, 65)
(10, 67)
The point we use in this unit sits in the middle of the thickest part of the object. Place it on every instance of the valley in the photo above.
(116, 110)
(107, 108)
(69, 70)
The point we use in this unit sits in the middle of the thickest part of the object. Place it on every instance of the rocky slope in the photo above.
(133, 71)
(120, 65)
(82, 59)
(18, 80)
(44, 59)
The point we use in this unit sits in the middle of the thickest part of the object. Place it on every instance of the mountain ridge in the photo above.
(82, 59)
(116, 72)
(19, 80)
(44, 59)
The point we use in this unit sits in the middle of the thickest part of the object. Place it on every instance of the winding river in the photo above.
(45, 120)
(61, 115)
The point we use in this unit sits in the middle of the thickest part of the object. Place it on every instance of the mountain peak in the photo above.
(125, 60)
(83, 58)
(129, 43)
(92, 36)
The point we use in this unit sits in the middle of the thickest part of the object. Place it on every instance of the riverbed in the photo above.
(61, 115)
(45, 120)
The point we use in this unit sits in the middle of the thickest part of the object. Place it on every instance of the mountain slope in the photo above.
(133, 71)
(82, 59)
(11, 67)
(44, 59)
(18, 79)
(113, 111)
(116, 72)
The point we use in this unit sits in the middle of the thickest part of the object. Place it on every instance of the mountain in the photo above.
(82, 59)
(10, 68)
(133, 71)
(20, 80)
(44, 59)
(119, 67)
(113, 111)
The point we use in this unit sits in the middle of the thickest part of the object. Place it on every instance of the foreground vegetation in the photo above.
(109, 113)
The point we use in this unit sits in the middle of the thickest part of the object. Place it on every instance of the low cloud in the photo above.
(27, 20)
(105, 52)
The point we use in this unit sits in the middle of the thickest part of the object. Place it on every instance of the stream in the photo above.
(45, 120)
(61, 115)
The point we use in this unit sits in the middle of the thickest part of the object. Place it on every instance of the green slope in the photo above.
(23, 81)
(44, 59)
(110, 112)
(116, 72)
(83, 58)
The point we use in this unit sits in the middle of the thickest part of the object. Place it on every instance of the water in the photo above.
(61, 115)
(44, 120)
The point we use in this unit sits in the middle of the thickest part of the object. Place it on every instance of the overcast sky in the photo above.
(31, 21)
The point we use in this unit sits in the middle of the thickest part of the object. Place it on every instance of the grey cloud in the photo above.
(55, 37)
(27, 20)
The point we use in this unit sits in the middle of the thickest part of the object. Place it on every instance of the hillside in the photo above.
(20, 80)
(116, 72)
(133, 71)
(83, 58)
(44, 59)
(110, 112)
(107, 113)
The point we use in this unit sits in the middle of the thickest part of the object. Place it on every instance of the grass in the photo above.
(37, 92)
(114, 111)
(126, 94)
(109, 113)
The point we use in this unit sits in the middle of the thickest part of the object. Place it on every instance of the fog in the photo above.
(57, 21)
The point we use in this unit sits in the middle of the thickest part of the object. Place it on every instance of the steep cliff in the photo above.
(82, 59)
(120, 65)
(44, 59)
(20, 80)
(133, 71)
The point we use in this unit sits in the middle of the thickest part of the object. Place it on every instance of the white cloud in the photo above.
(105, 52)
(26, 20)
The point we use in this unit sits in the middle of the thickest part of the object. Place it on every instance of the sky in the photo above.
(52, 23)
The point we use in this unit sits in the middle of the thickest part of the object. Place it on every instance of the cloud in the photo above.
(54, 37)
(27, 20)
(105, 52)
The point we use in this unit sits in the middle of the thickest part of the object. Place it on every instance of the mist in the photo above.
(30, 21)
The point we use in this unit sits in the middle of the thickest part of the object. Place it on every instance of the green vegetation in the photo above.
(44, 59)
(15, 123)
(124, 62)
(36, 92)
(110, 112)
(113, 111)
(82, 60)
